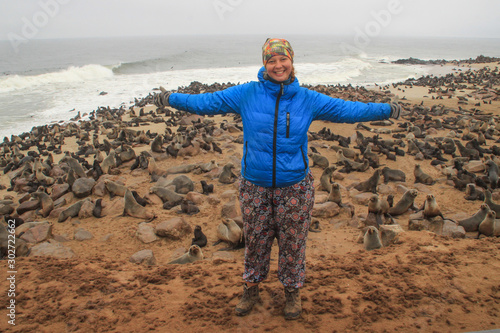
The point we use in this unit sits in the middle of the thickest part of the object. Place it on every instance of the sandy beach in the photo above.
(422, 281)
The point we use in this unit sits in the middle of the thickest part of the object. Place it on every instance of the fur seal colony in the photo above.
(33, 160)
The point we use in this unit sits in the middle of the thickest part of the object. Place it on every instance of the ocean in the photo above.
(45, 81)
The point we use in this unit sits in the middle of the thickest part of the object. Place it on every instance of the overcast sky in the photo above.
(109, 18)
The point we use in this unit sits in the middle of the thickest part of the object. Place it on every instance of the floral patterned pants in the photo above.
(282, 213)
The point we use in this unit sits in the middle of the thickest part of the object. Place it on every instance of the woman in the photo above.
(276, 187)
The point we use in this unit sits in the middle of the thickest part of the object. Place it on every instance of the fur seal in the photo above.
(472, 193)
(194, 253)
(488, 225)
(431, 208)
(189, 207)
(73, 164)
(393, 175)
(315, 227)
(370, 185)
(406, 202)
(326, 177)
(132, 208)
(206, 188)
(115, 189)
(109, 162)
(97, 211)
(472, 223)
(335, 195)
(230, 232)
(493, 172)
(71, 211)
(46, 202)
(157, 143)
(489, 201)
(167, 196)
(371, 239)
(378, 207)
(227, 176)
(421, 176)
(199, 237)
(319, 160)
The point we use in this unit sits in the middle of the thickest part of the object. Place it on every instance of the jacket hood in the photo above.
(289, 89)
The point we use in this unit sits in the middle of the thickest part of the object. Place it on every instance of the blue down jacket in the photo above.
(276, 118)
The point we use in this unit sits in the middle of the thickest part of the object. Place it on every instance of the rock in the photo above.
(6, 209)
(81, 234)
(58, 190)
(146, 233)
(26, 226)
(52, 249)
(86, 210)
(82, 187)
(362, 198)
(99, 189)
(422, 188)
(213, 200)
(143, 257)
(28, 206)
(229, 194)
(195, 197)
(475, 166)
(389, 233)
(327, 209)
(320, 197)
(38, 233)
(220, 257)
(438, 226)
(174, 228)
(385, 189)
(183, 184)
(231, 209)
(105, 238)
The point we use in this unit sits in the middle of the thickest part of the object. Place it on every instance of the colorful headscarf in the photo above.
(276, 46)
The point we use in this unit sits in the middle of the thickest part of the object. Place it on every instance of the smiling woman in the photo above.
(276, 187)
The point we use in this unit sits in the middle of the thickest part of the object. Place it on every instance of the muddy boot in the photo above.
(293, 307)
(248, 300)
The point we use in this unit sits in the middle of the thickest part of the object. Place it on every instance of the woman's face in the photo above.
(279, 68)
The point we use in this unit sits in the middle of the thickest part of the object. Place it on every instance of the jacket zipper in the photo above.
(288, 125)
(245, 158)
(304, 159)
(275, 135)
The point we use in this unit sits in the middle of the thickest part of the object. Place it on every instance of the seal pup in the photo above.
(472, 223)
(73, 164)
(371, 239)
(370, 185)
(488, 225)
(132, 208)
(199, 237)
(472, 193)
(421, 176)
(194, 253)
(227, 176)
(206, 188)
(315, 227)
(406, 202)
(97, 211)
(189, 207)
